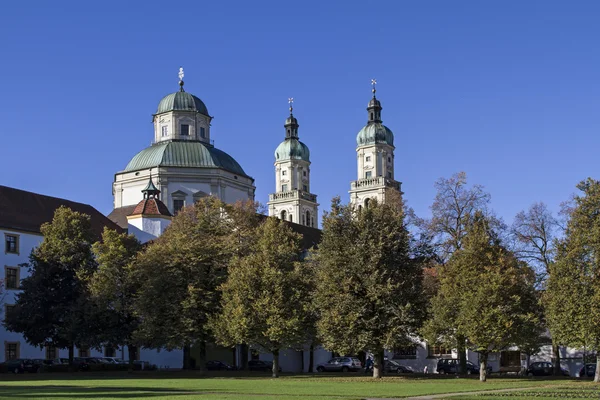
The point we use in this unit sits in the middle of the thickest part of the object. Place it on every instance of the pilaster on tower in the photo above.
(292, 200)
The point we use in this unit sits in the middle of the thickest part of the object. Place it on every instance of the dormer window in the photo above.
(202, 133)
(165, 130)
(185, 130)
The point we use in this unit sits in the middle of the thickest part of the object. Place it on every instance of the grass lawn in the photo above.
(187, 386)
(575, 391)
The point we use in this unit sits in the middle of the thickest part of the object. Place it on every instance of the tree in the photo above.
(496, 302)
(369, 291)
(573, 289)
(533, 232)
(113, 287)
(180, 272)
(440, 236)
(53, 307)
(263, 301)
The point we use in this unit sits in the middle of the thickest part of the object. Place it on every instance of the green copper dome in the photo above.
(373, 133)
(181, 101)
(183, 154)
(292, 149)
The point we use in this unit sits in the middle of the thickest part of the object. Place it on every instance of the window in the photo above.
(284, 172)
(185, 130)
(304, 173)
(284, 188)
(307, 218)
(12, 244)
(11, 351)
(283, 215)
(368, 174)
(84, 352)
(110, 351)
(389, 159)
(438, 351)
(408, 352)
(305, 188)
(367, 202)
(291, 218)
(51, 353)
(165, 130)
(389, 175)
(178, 205)
(8, 310)
(368, 158)
(202, 132)
(11, 277)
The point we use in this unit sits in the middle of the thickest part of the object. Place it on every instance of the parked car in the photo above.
(589, 370)
(22, 365)
(260, 365)
(341, 364)
(215, 365)
(542, 369)
(395, 368)
(450, 366)
(113, 360)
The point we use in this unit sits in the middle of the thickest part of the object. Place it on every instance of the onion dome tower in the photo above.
(292, 200)
(375, 158)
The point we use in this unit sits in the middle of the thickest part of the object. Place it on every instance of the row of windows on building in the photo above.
(11, 243)
(12, 351)
(369, 174)
(410, 352)
(284, 188)
(307, 218)
(184, 130)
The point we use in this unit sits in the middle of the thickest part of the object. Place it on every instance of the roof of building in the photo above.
(188, 154)
(119, 215)
(181, 101)
(27, 211)
(292, 149)
(151, 207)
(374, 132)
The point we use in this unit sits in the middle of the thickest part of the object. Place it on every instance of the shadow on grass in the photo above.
(79, 392)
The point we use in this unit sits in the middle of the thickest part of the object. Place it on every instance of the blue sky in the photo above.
(508, 91)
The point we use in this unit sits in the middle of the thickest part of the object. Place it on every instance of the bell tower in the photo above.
(292, 200)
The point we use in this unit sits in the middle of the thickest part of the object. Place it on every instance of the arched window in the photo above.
(307, 218)
(283, 215)
(371, 116)
(359, 208)
(291, 218)
(367, 202)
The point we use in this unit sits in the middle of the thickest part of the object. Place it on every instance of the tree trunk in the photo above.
(462, 355)
(201, 363)
(378, 364)
(275, 364)
(186, 356)
(597, 375)
(483, 366)
(311, 358)
(556, 359)
(71, 356)
(244, 356)
(132, 354)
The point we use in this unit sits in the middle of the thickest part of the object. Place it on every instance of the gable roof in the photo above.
(119, 215)
(27, 211)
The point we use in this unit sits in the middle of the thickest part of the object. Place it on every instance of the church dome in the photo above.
(181, 101)
(184, 154)
(292, 149)
(374, 133)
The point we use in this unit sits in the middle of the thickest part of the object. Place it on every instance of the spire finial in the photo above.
(291, 103)
(181, 75)
(373, 84)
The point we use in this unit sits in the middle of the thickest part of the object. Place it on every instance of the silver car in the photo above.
(341, 364)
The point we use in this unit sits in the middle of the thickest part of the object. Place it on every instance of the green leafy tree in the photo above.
(368, 290)
(264, 302)
(180, 272)
(54, 307)
(113, 288)
(495, 304)
(573, 288)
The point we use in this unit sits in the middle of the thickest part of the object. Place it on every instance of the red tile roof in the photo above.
(150, 207)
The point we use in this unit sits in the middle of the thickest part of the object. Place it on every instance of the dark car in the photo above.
(589, 370)
(450, 366)
(395, 368)
(341, 364)
(259, 365)
(218, 366)
(22, 365)
(543, 369)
